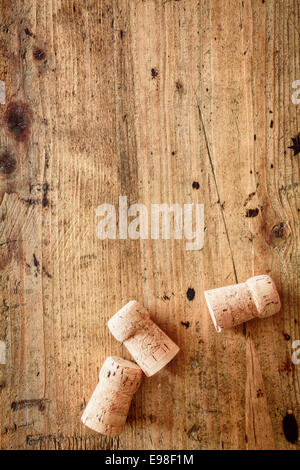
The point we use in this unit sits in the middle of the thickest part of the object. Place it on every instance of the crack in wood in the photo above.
(217, 188)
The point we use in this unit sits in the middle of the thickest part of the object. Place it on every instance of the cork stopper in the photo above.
(150, 347)
(232, 305)
(107, 410)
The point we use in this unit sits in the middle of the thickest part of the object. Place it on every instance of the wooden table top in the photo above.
(163, 102)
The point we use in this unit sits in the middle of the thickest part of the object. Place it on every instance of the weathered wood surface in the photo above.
(142, 98)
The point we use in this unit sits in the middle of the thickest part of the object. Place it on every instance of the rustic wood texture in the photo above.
(143, 98)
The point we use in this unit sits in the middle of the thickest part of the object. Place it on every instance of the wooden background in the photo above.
(143, 98)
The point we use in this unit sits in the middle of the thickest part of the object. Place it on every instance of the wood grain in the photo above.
(142, 98)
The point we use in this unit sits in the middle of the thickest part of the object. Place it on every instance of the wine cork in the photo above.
(150, 347)
(231, 305)
(107, 410)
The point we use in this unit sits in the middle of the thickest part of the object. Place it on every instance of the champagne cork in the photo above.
(108, 407)
(231, 305)
(150, 347)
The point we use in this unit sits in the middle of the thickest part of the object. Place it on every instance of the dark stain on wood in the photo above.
(248, 199)
(36, 264)
(296, 145)
(39, 402)
(28, 32)
(38, 53)
(30, 201)
(17, 119)
(8, 163)
(252, 212)
(278, 231)
(179, 86)
(46, 273)
(45, 200)
(290, 428)
(153, 418)
(154, 73)
(190, 293)
(35, 261)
